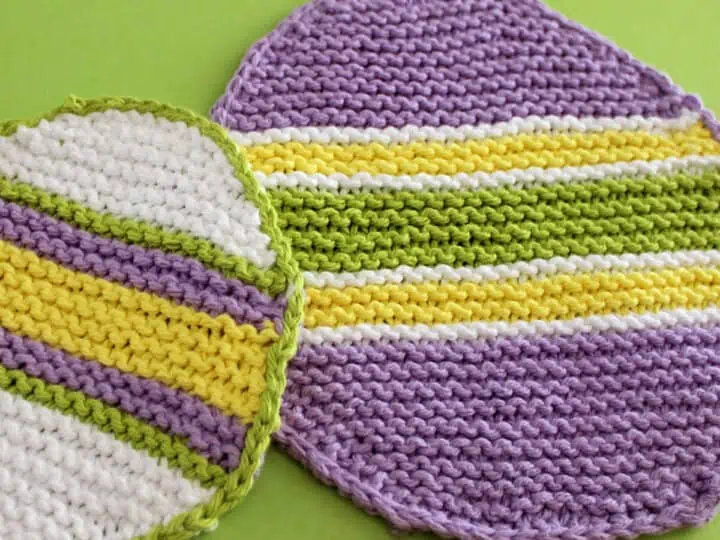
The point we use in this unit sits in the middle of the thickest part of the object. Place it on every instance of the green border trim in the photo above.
(238, 483)
(108, 419)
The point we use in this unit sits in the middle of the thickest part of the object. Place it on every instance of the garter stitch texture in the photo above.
(509, 231)
(148, 307)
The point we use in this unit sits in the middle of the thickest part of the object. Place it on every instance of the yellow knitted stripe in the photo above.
(559, 297)
(212, 357)
(488, 155)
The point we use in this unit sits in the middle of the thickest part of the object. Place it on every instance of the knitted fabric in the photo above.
(147, 309)
(510, 239)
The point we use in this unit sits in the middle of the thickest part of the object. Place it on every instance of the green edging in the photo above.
(113, 421)
(284, 276)
(266, 422)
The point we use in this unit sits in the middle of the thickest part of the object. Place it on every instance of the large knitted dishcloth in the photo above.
(148, 307)
(510, 235)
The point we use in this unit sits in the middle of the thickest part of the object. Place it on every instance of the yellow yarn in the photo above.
(554, 298)
(211, 357)
(488, 155)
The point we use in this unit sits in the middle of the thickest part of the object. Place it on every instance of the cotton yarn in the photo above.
(148, 305)
(508, 229)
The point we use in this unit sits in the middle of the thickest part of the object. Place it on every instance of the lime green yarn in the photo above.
(144, 234)
(115, 422)
(273, 280)
(300, 209)
(267, 421)
(363, 231)
(606, 189)
(282, 278)
(349, 259)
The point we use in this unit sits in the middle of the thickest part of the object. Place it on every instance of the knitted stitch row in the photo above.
(509, 235)
(147, 309)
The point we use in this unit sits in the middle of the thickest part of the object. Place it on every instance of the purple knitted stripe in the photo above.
(177, 278)
(584, 436)
(208, 431)
(378, 63)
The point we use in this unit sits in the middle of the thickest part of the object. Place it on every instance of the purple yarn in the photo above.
(208, 431)
(376, 63)
(594, 435)
(584, 436)
(177, 278)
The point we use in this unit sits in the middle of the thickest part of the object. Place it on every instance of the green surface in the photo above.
(184, 53)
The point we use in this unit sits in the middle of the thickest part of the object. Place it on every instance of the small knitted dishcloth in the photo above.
(510, 236)
(148, 307)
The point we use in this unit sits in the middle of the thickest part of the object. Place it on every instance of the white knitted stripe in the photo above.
(71, 480)
(488, 330)
(30, 511)
(140, 167)
(481, 180)
(516, 126)
(535, 269)
(50, 465)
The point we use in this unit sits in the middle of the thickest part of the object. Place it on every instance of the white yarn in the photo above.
(516, 126)
(487, 330)
(30, 511)
(537, 268)
(69, 470)
(70, 480)
(516, 177)
(140, 167)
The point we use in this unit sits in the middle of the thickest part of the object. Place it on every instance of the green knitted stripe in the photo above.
(352, 232)
(472, 235)
(112, 421)
(609, 188)
(368, 211)
(455, 255)
(136, 232)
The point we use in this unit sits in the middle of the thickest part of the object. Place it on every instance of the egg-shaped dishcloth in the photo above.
(509, 231)
(148, 307)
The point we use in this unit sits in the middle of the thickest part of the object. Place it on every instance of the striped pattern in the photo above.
(516, 126)
(210, 357)
(555, 298)
(71, 156)
(487, 155)
(155, 271)
(479, 180)
(143, 323)
(56, 484)
(509, 235)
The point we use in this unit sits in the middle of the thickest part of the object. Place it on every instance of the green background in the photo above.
(184, 52)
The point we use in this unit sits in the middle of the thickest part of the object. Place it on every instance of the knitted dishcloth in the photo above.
(510, 238)
(148, 307)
